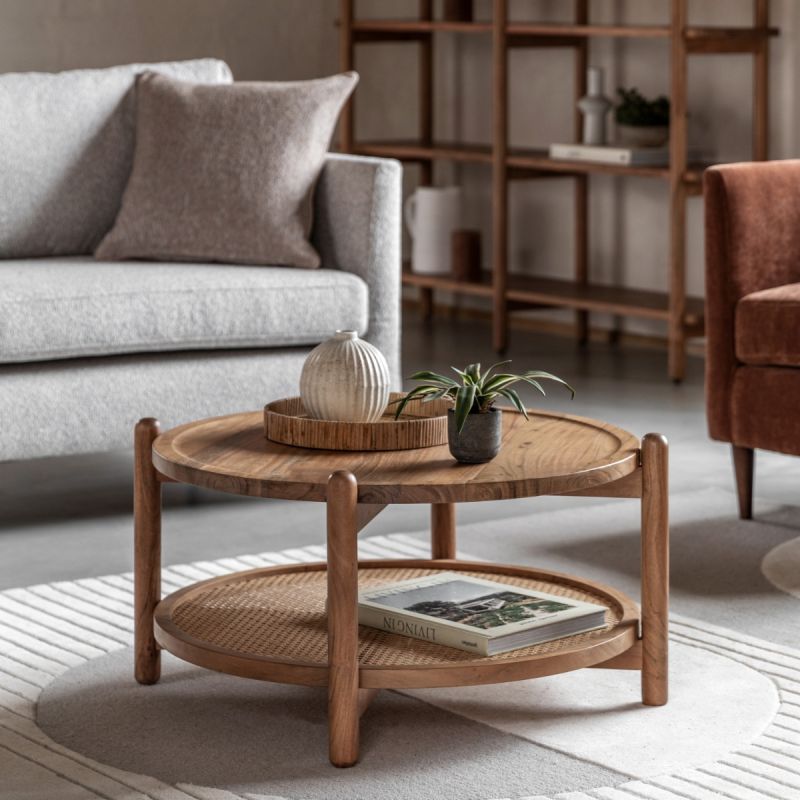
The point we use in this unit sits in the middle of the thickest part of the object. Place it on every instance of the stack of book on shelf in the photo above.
(617, 154)
(473, 614)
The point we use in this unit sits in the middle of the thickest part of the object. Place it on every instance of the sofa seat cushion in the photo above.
(768, 327)
(71, 307)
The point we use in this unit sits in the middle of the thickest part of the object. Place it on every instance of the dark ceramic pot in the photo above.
(479, 440)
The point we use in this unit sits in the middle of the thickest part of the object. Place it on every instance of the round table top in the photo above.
(548, 454)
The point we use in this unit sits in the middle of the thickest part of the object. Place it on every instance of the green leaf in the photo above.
(466, 379)
(419, 391)
(433, 377)
(495, 366)
(437, 395)
(499, 381)
(511, 395)
(537, 373)
(474, 372)
(464, 400)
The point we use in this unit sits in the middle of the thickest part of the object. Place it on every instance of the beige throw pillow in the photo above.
(226, 173)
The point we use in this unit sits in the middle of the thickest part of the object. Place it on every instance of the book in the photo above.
(473, 614)
(616, 154)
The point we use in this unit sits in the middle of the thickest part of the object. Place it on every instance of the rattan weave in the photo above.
(282, 615)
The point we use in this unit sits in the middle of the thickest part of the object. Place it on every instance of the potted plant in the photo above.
(474, 425)
(641, 122)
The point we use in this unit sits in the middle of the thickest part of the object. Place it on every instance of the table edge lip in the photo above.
(197, 474)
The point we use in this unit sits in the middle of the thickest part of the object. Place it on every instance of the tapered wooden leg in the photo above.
(147, 552)
(443, 530)
(343, 694)
(743, 466)
(655, 570)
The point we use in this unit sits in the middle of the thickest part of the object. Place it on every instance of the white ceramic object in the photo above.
(432, 214)
(345, 379)
(594, 106)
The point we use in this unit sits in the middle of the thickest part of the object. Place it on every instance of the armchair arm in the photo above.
(752, 223)
(357, 228)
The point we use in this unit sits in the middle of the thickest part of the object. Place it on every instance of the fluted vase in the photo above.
(345, 379)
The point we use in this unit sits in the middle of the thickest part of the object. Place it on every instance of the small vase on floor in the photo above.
(345, 379)
(594, 106)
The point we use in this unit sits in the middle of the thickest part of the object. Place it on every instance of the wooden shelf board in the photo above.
(699, 39)
(411, 27)
(535, 291)
(411, 150)
(595, 297)
(570, 30)
(447, 282)
(524, 160)
(535, 159)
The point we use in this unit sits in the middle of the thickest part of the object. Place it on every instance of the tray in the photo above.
(421, 425)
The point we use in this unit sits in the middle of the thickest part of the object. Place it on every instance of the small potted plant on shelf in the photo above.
(474, 425)
(641, 122)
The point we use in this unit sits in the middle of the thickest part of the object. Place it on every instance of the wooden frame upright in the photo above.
(507, 291)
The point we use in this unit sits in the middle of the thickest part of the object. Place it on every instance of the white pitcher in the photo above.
(432, 214)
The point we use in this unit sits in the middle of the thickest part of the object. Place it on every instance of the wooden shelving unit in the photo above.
(683, 315)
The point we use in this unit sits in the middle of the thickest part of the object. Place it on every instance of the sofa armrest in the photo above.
(752, 224)
(357, 228)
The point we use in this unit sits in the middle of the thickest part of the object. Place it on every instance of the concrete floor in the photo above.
(69, 518)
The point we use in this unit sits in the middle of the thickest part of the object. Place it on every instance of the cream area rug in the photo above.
(74, 724)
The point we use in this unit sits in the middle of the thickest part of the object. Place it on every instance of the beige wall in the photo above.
(290, 39)
(260, 39)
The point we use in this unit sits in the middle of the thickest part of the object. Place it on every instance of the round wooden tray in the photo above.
(421, 425)
(270, 624)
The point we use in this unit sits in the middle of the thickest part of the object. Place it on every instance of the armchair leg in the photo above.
(743, 464)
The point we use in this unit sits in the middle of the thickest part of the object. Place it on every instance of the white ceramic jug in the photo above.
(432, 214)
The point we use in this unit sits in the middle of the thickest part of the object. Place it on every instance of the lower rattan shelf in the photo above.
(270, 623)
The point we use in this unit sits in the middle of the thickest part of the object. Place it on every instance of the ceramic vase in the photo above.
(594, 106)
(345, 379)
(480, 438)
(431, 215)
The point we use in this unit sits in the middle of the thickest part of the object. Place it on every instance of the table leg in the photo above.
(655, 570)
(443, 530)
(343, 695)
(147, 552)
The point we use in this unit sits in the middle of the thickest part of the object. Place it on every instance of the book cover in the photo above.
(605, 154)
(473, 614)
(612, 154)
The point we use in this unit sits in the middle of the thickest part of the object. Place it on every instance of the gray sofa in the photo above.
(87, 347)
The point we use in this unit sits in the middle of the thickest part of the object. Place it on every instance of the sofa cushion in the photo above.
(768, 327)
(66, 147)
(226, 173)
(70, 307)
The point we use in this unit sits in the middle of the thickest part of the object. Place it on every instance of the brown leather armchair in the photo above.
(753, 312)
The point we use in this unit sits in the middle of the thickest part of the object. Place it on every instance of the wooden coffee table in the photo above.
(272, 624)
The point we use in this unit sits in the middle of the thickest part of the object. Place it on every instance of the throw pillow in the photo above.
(66, 150)
(226, 173)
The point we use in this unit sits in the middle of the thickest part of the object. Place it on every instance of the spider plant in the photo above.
(475, 392)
